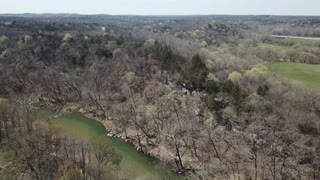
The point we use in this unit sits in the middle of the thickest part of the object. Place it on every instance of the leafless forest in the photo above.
(192, 91)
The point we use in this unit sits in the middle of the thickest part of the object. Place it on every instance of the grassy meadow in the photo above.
(307, 75)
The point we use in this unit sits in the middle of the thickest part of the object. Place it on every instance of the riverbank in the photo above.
(152, 147)
(134, 164)
(158, 152)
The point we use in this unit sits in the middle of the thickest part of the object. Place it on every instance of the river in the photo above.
(134, 164)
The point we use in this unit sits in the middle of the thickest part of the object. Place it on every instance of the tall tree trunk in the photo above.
(178, 155)
(1, 131)
(214, 146)
(194, 147)
(83, 160)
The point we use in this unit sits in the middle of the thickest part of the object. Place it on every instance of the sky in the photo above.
(164, 7)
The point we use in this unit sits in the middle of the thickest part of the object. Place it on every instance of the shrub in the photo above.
(308, 128)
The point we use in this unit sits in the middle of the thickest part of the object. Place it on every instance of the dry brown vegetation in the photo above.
(201, 100)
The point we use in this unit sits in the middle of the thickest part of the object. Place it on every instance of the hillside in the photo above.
(187, 97)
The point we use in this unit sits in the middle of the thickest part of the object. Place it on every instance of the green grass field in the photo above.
(295, 44)
(305, 42)
(293, 41)
(307, 75)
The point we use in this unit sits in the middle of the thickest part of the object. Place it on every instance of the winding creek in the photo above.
(134, 164)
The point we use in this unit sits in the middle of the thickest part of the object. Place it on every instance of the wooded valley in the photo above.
(201, 94)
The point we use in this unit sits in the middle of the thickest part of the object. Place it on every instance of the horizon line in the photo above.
(85, 14)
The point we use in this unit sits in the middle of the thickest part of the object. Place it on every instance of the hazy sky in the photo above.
(164, 7)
